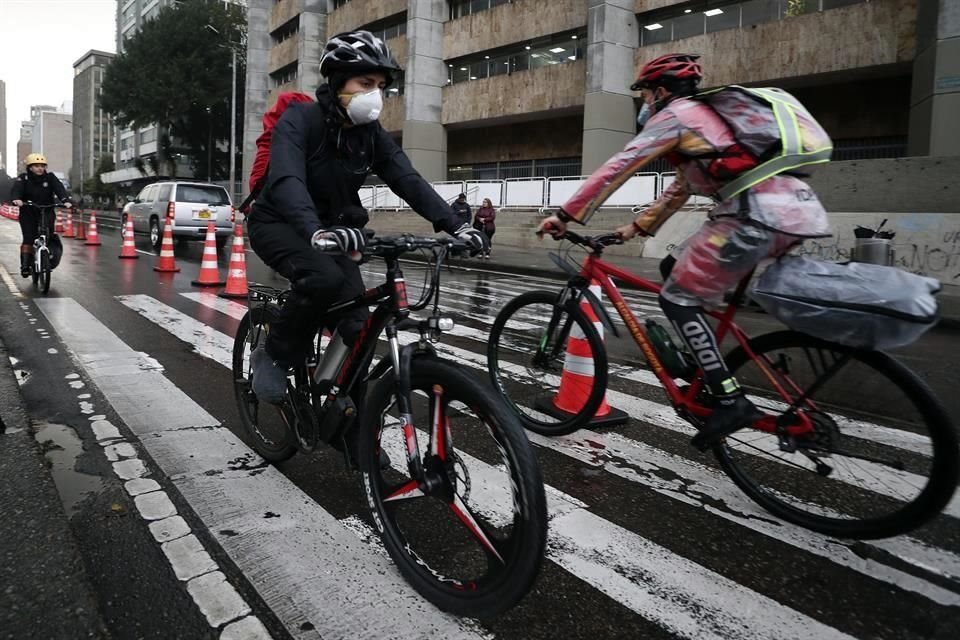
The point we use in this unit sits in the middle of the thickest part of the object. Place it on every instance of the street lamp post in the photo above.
(233, 126)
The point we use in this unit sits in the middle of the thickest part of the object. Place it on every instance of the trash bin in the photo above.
(873, 251)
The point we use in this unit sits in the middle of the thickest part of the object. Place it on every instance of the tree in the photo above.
(176, 72)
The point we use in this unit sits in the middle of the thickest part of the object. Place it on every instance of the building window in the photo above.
(392, 27)
(286, 31)
(149, 135)
(462, 8)
(541, 168)
(544, 52)
(698, 17)
(339, 3)
(284, 75)
(395, 89)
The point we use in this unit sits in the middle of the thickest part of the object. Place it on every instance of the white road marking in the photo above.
(684, 597)
(303, 563)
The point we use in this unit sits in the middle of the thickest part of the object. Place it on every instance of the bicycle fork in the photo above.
(401, 359)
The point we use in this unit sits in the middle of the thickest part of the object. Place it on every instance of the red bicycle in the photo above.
(852, 443)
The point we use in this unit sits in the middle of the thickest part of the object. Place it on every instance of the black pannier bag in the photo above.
(855, 304)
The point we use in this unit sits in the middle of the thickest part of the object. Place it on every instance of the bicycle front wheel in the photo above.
(43, 278)
(883, 458)
(471, 538)
(263, 423)
(549, 363)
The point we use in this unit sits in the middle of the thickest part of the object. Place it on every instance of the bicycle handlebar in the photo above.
(30, 203)
(591, 242)
(397, 245)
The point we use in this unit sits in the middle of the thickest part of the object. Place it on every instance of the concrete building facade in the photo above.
(52, 135)
(4, 160)
(499, 89)
(93, 130)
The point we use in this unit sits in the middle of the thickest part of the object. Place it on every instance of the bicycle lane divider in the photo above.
(219, 603)
(648, 465)
(686, 598)
(300, 559)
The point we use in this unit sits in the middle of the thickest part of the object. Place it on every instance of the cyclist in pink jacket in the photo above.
(762, 221)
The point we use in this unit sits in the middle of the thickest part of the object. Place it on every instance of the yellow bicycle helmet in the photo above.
(36, 158)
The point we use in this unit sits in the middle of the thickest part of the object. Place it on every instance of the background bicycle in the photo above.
(44, 260)
(874, 467)
(468, 530)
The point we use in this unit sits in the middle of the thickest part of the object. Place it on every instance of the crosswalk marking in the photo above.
(303, 564)
(705, 488)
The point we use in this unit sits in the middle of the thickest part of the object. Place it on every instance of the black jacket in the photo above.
(317, 168)
(38, 189)
(462, 211)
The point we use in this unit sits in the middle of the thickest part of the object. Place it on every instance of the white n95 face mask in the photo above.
(364, 108)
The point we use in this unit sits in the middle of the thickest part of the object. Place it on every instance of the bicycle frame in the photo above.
(390, 315)
(684, 401)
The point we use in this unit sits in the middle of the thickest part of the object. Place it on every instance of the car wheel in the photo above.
(156, 234)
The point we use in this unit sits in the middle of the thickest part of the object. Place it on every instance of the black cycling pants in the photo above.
(29, 224)
(317, 280)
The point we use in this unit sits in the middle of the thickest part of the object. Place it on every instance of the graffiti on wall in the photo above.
(925, 244)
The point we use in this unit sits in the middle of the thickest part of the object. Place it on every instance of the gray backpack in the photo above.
(860, 305)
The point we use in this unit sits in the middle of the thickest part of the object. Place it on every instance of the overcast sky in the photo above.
(39, 42)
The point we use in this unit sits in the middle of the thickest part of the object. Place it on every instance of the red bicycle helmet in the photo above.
(670, 68)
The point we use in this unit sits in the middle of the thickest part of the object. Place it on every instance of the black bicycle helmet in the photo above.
(355, 52)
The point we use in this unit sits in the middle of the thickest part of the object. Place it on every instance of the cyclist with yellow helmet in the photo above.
(38, 186)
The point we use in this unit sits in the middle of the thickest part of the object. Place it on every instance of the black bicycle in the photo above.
(43, 263)
(467, 530)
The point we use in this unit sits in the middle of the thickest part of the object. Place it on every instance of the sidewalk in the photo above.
(513, 260)
(44, 592)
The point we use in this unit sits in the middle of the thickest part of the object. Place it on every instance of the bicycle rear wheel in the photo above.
(264, 424)
(883, 459)
(474, 541)
(532, 341)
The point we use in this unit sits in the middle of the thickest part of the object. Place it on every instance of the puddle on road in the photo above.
(62, 447)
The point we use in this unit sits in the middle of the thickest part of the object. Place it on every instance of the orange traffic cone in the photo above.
(68, 231)
(237, 269)
(58, 225)
(577, 378)
(93, 239)
(209, 271)
(167, 263)
(129, 249)
(81, 230)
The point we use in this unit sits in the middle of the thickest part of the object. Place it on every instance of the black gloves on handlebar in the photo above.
(477, 239)
(348, 239)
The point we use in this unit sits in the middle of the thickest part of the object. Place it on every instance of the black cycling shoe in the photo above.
(26, 265)
(732, 414)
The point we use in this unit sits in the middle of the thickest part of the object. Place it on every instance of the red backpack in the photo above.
(261, 163)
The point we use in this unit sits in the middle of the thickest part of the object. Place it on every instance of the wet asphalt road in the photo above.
(139, 596)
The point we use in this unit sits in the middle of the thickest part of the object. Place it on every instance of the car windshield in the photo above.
(202, 194)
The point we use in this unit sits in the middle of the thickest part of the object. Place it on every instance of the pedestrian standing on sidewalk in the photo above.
(461, 209)
(485, 221)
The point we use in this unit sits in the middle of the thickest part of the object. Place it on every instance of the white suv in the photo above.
(191, 206)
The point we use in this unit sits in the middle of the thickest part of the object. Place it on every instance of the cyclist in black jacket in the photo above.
(320, 155)
(38, 186)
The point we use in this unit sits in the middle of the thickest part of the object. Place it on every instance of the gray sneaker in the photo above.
(269, 378)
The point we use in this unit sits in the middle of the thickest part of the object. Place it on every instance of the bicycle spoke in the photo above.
(462, 512)
(406, 491)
